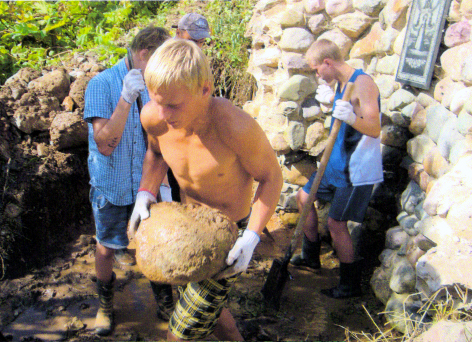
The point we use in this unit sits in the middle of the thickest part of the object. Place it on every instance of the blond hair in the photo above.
(322, 49)
(178, 62)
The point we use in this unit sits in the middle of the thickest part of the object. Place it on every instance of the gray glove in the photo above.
(133, 84)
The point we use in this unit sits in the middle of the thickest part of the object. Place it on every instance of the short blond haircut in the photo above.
(322, 49)
(178, 62)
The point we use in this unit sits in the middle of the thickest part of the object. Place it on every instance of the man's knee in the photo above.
(104, 252)
(171, 336)
(302, 197)
(337, 227)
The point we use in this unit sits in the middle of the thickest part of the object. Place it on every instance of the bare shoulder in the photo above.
(365, 81)
(151, 122)
(365, 85)
(231, 121)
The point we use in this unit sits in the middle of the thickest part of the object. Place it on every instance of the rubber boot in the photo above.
(349, 282)
(310, 256)
(164, 299)
(104, 321)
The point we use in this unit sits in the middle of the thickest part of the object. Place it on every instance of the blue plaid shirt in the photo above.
(118, 175)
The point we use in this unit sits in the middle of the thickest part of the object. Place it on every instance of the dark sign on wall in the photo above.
(422, 39)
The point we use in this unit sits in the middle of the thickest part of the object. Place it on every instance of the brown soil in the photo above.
(58, 302)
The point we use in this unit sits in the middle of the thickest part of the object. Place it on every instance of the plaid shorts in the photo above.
(199, 307)
(200, 304)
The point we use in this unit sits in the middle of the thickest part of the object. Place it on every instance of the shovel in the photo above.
(278, 274)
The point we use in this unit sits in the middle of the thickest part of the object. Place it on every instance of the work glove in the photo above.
(133, 84)
(324, 94)
(240, 255)
(345, 112)
(140, 212)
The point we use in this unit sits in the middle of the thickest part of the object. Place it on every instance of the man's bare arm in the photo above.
(154, 166)
(154, 170)
(366, 107)
(259, 160)
(107, 133)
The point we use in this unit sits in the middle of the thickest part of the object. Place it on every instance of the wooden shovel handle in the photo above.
(319, 174)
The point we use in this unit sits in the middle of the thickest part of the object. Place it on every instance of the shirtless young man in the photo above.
(216, 151)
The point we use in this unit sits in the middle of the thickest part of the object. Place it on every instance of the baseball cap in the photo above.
(196, 25)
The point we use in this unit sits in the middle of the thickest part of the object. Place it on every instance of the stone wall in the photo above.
(427, 132)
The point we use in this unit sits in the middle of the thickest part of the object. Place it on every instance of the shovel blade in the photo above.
(275, 283)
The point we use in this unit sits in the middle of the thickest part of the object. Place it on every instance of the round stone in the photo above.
(180, 243)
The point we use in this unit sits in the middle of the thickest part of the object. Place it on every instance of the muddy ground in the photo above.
(58, 301)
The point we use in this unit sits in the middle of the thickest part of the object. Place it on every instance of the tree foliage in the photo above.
(38, 33)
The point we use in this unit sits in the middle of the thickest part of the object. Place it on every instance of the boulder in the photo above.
(68, 130)
(447, 331)
(180, 243)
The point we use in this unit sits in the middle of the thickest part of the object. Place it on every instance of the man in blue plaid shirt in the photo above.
(116, 153)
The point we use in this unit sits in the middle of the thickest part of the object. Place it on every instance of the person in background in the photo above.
(354, 167)
(194, 27)
(216, 151)
(116, 152)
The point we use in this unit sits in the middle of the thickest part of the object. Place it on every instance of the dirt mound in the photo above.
(179, 243)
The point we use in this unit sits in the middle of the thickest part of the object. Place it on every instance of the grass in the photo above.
(451, 305)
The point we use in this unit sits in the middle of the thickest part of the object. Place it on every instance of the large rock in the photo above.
(367, 46)
(338, 7)
(394, 13)
(296, 39)
(369, 7)
(454, 187)
(180, 243)
(296, 88)
(56, 83)
(447, 331)
(77, 91)
(451, 60)
(458, 33)
(419, 147)
(352, 24)
(68, 130)
(434, 271)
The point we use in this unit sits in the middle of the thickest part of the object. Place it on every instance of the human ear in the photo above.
(144, 54)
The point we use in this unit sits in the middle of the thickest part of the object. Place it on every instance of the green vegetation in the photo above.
(41, 33)
(38, 33)
(229, 50)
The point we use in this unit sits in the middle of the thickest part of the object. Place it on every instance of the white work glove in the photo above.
(140, 212)
(345, 112)
(240, 255)
(133, 84)
(324, 94)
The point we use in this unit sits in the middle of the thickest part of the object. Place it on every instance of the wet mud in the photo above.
(58, 302)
